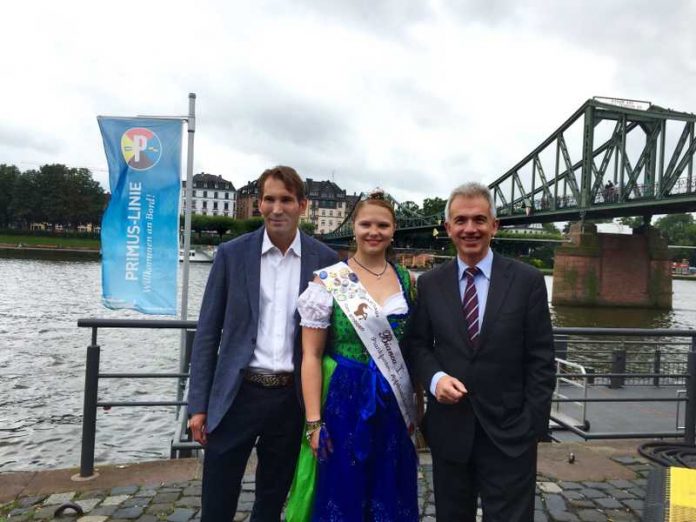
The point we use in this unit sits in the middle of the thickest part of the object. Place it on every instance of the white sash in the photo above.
(375, 332)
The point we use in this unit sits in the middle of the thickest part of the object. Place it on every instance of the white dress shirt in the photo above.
(482, 282)
(280, 285)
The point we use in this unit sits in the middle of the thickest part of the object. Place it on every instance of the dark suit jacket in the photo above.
(227, 324)
(510, 376)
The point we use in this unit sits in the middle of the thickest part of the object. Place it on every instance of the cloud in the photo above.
(414, 96)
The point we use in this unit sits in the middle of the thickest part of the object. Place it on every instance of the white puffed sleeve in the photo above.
(314, 306)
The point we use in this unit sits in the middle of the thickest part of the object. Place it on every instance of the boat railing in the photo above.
(572, 371)
(563, 371)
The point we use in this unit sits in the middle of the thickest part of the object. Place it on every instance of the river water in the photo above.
(42, 360)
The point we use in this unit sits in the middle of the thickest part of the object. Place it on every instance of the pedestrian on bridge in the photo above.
(481, 342)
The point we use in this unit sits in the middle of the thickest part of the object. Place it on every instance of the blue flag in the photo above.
(140, 227)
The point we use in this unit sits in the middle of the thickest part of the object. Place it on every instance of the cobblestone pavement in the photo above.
(563, 501)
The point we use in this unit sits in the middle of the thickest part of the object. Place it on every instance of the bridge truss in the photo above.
(610, 158)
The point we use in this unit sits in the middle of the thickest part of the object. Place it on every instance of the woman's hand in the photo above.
(320, 451)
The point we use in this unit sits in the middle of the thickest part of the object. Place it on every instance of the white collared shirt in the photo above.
(278, 291)
(482, 282)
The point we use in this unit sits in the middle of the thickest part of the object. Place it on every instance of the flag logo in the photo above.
(141, 148)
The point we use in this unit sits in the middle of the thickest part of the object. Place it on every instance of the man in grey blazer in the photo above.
(481, 342)
(244, 385)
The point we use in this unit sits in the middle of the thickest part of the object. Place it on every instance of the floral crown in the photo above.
(377, 193)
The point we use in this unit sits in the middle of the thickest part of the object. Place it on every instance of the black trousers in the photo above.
(271, 419)
(506, 485)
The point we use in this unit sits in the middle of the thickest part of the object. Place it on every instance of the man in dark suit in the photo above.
(244, 386)
(481, 342)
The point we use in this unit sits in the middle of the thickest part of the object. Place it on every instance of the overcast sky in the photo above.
(413, 96)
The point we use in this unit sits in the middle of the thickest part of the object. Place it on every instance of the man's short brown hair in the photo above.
(290, 178)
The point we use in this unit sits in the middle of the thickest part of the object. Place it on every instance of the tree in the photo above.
(22, 206)
(307, 227)
(220, 224)
(432, 206)
(679, 229)
(551, 228)
(8, 178)
(407, 208)
(632, 221)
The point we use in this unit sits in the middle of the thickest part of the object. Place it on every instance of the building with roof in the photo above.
(211, 196)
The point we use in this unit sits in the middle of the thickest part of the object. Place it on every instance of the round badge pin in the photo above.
(353, 277)
(323, 274)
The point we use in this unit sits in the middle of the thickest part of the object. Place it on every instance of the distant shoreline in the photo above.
(48, 248)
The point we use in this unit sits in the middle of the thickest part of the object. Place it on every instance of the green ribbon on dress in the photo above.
(301, 498)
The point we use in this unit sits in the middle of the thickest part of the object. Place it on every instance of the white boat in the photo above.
(196, 256)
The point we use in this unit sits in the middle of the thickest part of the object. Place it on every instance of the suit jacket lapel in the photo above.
(501, 278)
(253, 273)
(308, 262)
(451, 300)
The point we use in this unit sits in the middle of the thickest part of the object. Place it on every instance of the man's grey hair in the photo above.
(470, 190)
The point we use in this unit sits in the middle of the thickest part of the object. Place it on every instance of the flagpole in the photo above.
(187, 236)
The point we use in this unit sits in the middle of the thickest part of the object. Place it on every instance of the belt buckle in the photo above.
(269, 380)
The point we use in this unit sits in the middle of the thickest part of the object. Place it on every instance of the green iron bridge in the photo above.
(611, 158)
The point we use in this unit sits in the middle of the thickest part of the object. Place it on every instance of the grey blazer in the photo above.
(227, 323)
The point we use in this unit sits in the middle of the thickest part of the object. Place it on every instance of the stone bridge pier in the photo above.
(597, 269)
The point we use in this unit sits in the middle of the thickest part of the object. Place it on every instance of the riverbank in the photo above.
(605, 481)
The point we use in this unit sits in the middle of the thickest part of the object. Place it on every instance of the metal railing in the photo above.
(92, 376)
(616, 379)
(564, 340)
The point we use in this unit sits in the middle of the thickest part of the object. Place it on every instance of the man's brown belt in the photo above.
(269, 380)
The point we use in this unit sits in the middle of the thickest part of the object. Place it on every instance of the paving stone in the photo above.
(637, 492)
(16, 513)
(572, 495)
(581, 503)
(147, 493)
(554, 503)
(549, 487)
(598, 485)
(92, 518)
(592, 493)
(129, 513)
(192, 491)
(591, 515)
(124, 490)
(114, 501)
(621, 484)
(188, 502)
(619, 494)
(148, 518)
(242, 517)
(621, 516)
(45, 512)
(59, 498)
(103, 510)
(87, 504)
(634, 504)
(30, 501)
(608, 503)
(94, 493)
(160, 509)
(570, 485)
(165, 498)
(540, 516)
(136, 501)
(563, 516)
(181, 515)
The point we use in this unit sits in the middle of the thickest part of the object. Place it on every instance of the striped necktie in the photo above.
(470, 305)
